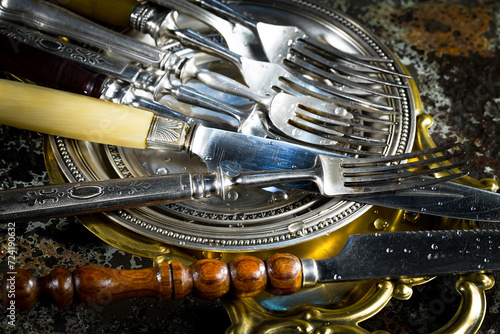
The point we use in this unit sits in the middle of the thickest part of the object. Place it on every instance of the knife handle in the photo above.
(115, 12)
(244, 276)
(74, 116)
(80, 117)
(48, 70)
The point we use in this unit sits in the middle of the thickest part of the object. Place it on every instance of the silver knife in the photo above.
(364, 257)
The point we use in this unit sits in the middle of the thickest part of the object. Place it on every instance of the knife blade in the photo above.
(364, 257)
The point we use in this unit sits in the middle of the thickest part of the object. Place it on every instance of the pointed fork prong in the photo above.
(413, 183)
(305, 66)
(368, 175)
(325, 119)
(322, 91)
(399, 175)
(349, 68)
(375, 168)
(329, 50)
(401, 157)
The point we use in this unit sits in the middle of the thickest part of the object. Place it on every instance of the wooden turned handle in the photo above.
(115, 12)
(244, 276)
(46, 69)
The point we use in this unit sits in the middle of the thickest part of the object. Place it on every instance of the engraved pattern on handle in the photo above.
(57, 20)
(167, 133)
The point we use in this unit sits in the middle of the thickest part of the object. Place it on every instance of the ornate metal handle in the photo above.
(86, 197)
(57, 20)
(105, 195)
(245, 276)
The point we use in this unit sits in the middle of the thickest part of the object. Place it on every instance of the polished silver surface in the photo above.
(413, 254)
(310, 273)
(254, 219)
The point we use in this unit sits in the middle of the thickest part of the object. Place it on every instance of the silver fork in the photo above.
(344, 177)
(159, 25)
(275, 40)
(265, 77)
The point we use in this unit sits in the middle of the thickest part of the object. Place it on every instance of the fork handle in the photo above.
(60, 21)
(106, 195)
(230, 14)
(58, 200)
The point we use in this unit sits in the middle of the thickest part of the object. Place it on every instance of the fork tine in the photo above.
(303, 65)
(391, 186)
(324, 107)
(326, 119)
(375, 175)
(356, 59)
(401, 157)
(323, 91)
(371, 169)
(365, 118)
(400, 174)
(314, 133)
(348, 68)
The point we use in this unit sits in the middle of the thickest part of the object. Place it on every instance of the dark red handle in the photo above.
(47, 69)
(244, 276)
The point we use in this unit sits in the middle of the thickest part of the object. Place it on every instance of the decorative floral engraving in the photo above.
(131, 188)
(39, 197)
(52, 45)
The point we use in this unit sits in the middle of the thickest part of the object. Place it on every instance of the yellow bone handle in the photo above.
(115, 12)
(74, 116)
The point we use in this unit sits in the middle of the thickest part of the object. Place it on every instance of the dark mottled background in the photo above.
(452, 50)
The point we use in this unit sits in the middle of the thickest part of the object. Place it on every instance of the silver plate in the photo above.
(253, 220)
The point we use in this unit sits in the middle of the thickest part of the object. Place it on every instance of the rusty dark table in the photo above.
(451, 48)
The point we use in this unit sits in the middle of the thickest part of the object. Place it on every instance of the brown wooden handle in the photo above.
(244, 276)
(46, 69)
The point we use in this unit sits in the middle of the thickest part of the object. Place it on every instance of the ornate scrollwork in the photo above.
(39, 197)
(167, 133)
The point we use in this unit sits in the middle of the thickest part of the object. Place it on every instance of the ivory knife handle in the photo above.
(245, 276)
(74, 116)
(115, 12)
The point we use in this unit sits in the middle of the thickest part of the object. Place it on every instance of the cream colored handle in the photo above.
(74, 116)
(116, 12)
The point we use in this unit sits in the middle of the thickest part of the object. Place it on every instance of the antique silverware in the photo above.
(364, 256)
(266, 77)
(282, 44)
(80, 117)
(275, 40)
(243, 33)
(280, 106)
(57, 20)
